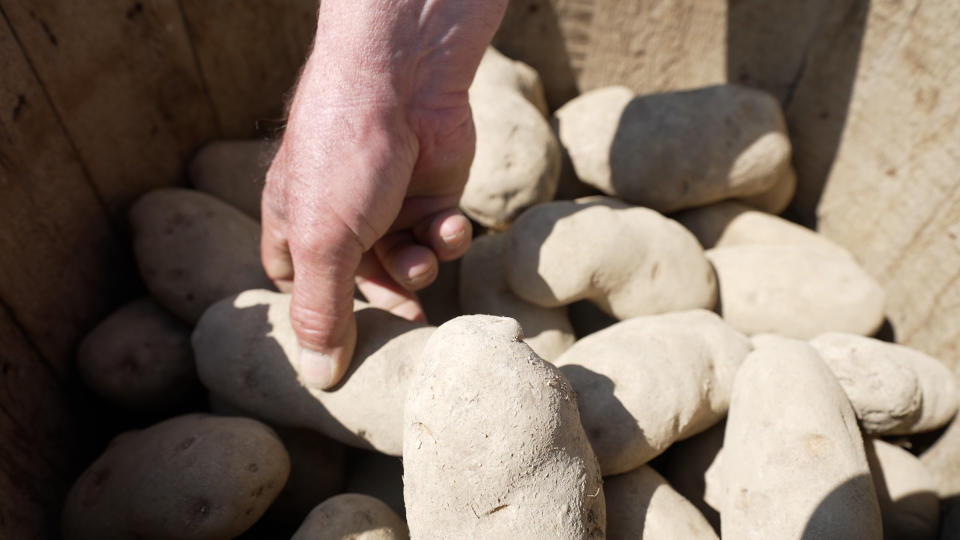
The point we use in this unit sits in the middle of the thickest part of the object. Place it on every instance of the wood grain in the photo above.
(250, 53)
(60, 256)
(123, 78)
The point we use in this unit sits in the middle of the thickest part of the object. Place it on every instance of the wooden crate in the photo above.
(102, 101)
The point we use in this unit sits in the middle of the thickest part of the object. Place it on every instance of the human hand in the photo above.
(366, 182)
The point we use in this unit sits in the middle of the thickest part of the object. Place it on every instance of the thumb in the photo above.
(326, 258)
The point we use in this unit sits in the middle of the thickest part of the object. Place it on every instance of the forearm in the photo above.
(406, 50)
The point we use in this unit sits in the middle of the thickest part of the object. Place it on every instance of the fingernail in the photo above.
(418, 271)
(455, 239)
(316, 369)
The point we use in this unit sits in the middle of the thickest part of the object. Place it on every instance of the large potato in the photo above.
(517, 161)
(793, 462)
(677, 150)
(246, 353)
(193, 250)
(895, 390)
(190, 477)
(628, 260)
(352, 516)
(484, 290)
(493, 446)
(796, 290)
(646, 382)
(233, 171)
(642, 505)
(139, 358)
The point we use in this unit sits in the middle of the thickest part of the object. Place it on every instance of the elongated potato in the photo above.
(484, 290)
(193, 250)
(517, 162)
(798, 291)
(646, 382)
(895, 390)
(793, 462)
(629, 261)
(493, 446)
(233, 171)
(679, 149)
(642, 505)
(191, 477)
(246, 354)
(139, 358)
(352, 516)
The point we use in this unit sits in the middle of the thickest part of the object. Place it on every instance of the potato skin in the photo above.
(628, 260)
(190, 477)
(679, 150)
(352, 516)
(233, 171)
(493, 446)
(247, 352)
(139, 358)
(193, 249)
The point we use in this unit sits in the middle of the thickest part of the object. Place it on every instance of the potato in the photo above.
(895, 390)
(377, 475)
(190, 477)
(628, 260)
(676, 150)
(685, 465)
(798, 291)
(642, 505)
(484, 290)
(493, 446)
(644, 383)
(193, 250)
(246, 354)
(517, 161)
(233, 171)
(139, 359)
(793, 463)
(351, 516)
(731, 223)
(906, 491)
(499, 71)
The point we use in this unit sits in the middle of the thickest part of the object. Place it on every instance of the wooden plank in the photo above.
(893, 194)
(250, 53)
(122, 76)
(37, 435)
(61, 261)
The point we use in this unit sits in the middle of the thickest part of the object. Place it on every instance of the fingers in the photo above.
(447, 233)
(411, 265)
(383, 292)
(321, 311)
(274, 250)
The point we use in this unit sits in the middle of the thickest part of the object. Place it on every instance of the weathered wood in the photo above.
(893, 194)
(59, 256)
(250, 54)
(123, 78)
(36, 432)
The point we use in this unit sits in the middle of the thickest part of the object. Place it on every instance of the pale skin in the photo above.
(365, 185)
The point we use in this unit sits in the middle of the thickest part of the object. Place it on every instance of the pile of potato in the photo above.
(635, 346)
